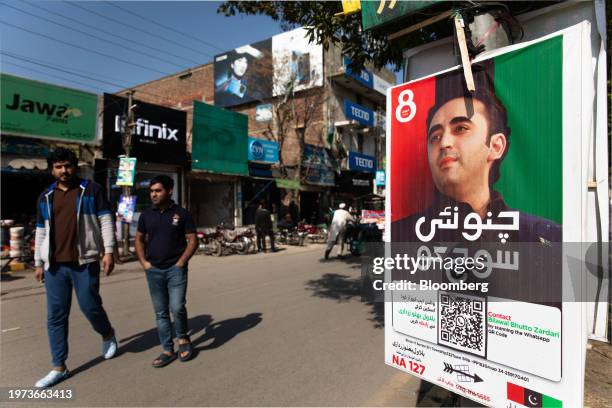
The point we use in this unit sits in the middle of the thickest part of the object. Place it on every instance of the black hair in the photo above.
(61, 154)
(452, 86)
(166, 181)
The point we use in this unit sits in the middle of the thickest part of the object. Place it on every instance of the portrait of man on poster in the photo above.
(467, 139)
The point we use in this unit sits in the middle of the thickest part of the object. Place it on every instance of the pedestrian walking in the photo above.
(165, 241)
(337, 230)
(263, 227)
(74, 228)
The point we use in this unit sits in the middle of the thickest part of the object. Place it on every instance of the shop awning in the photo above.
(28, 163)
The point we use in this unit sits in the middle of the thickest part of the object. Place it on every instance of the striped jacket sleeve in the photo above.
(41, 232)
(105, 218)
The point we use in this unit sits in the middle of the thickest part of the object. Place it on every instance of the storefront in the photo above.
(158, 144)
(357, 181)
(319, 175)
(219, 161)
(36, 118)
(260, 185)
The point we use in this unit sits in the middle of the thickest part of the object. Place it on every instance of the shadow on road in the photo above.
(202, 326)
(343, 288)
(7, 277)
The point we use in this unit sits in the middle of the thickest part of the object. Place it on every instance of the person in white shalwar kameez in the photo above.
(337, 229)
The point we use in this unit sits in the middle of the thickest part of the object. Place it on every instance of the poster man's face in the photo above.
(240, 66)
(457, 150)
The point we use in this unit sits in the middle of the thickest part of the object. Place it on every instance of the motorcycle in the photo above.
(315, 233)
(235, 241)
(208, 242)
(291, 236)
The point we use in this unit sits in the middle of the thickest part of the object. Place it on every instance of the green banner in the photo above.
(378, 13)
(220, 139)
(535, 120)
(32, 108)
(288, 184)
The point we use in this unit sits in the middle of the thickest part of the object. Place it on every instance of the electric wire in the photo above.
(140, 29)
(74, 20)
(83, 48)
(167, 28)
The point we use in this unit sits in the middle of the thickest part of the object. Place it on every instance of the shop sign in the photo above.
(505, 330)
(126, 171)
(159, 134)
(23, 147)
(36, 109)
(375, 14)
(361, 114)
(380, 178)
(220, 140)
(288, 184)
(263, 151)
(361, 162)
(365, 77)
(263, 113)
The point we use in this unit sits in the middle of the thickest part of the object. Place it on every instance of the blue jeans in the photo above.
(59, 281)
(168, 288)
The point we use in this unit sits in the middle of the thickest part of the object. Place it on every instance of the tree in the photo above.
(319, 18)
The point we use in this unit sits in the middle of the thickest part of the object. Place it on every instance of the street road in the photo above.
(269, 330)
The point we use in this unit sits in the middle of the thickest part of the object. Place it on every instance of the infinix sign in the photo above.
(144, 128)
(159, 133)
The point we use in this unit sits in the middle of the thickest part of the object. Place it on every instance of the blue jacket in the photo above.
(95, 228)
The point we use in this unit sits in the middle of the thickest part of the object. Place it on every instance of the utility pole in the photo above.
(126, 140)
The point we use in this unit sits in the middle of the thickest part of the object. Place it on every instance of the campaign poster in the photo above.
(298, 62)
(244, 74)
(126, 171)
(478, 192)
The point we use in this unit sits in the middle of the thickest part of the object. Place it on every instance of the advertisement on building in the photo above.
(220, 140)
(159, 132)
(244, 74)
(359, 113)
(268, 68)
(479, 180)
(36, 109)
(317, 166)
(361, 162)
(263, 151)
(296, 61)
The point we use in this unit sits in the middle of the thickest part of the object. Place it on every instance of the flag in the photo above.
(530, 398)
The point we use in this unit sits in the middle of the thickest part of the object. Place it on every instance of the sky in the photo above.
(55, 41)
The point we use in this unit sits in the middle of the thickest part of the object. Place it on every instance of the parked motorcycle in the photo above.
(235, 241)
(291, 236)
(208, 242)
(314, 233)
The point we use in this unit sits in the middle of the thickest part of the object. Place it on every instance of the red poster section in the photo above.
(411, 184)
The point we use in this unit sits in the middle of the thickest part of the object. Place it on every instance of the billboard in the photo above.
(263, 151)
(478, 196)
(159, 134)
(36, 109)
(268, 68)
(220, 140)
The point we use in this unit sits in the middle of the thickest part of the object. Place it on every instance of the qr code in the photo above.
(461, 323)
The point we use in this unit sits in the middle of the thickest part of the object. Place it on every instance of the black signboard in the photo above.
(355, 182)
(159, 132)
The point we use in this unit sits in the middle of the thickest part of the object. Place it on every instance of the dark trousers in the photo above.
(261, 238)
(59, 281)
(168, 288)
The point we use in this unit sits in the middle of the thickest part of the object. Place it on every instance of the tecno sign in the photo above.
(146, 129)
(359, 113)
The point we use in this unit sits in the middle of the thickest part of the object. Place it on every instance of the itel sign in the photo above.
(159, 132)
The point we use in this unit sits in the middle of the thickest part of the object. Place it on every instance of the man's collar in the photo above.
(171, 205)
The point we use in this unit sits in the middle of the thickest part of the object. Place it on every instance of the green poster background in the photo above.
(529, 83)
(220, 139)
(370, 17)
(31, 108)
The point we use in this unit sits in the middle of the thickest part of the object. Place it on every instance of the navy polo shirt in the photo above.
(165, 234)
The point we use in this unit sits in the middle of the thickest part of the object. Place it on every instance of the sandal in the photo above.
(164, 360)
(185, 348)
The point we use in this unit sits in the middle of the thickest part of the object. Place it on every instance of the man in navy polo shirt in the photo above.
(165, 241)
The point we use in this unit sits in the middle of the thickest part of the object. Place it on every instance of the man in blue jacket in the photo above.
(74, 229)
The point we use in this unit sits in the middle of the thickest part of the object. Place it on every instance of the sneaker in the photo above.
(109, 348)
(51, 379)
